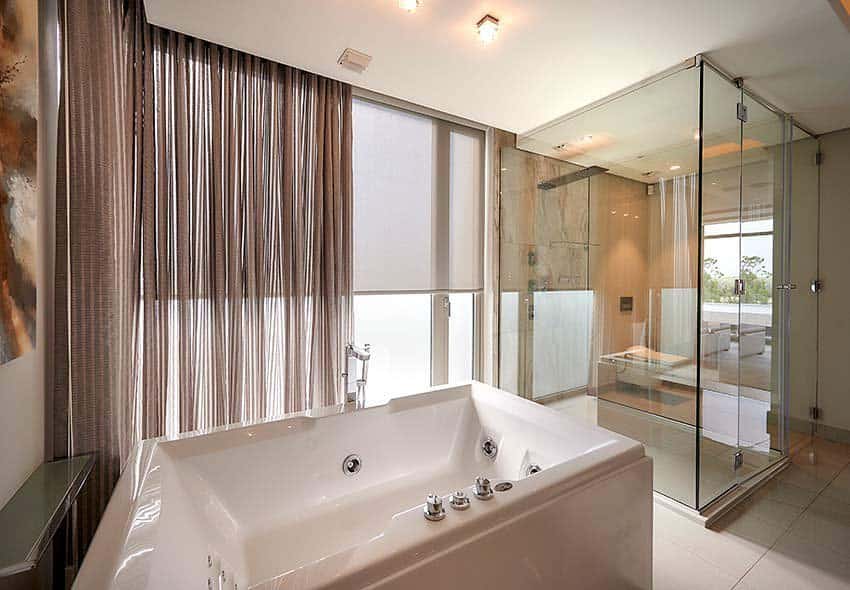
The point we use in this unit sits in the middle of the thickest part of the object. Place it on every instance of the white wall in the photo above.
(834, 365)
(22, 381)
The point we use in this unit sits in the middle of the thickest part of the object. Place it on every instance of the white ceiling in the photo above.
(551, 56)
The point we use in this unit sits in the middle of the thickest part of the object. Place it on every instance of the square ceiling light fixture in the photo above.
(488, 28)
(409, 5)
(842, 9)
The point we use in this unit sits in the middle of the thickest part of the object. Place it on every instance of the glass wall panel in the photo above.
(721, 268)
(804, 300)
(543, 258)
(599, 269)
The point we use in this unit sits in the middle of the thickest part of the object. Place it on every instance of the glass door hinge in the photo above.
(530, 311)
(739, 459)
(786, 286)
(816, 286)
(742, 112)
(815, 413)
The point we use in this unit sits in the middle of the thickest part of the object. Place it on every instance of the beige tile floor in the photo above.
(794, 533)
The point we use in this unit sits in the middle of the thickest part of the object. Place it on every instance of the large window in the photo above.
(418, 248)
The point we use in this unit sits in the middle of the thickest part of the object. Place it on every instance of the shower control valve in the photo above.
(483, 490)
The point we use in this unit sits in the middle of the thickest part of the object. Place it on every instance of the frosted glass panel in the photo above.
(398, 327)
(461, 342)
(465, 210)
(393, 199)
(509, 342)
(562, 322)
(678, 318)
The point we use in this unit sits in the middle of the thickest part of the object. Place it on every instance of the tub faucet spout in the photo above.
(357, 395)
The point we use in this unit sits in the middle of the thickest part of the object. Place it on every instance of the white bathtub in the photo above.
(270, 506)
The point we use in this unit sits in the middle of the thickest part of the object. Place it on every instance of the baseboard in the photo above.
(832, 433)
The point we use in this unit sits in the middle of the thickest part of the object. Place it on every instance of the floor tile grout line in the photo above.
(793, 522)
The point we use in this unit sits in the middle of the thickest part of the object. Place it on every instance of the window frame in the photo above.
(444, 126)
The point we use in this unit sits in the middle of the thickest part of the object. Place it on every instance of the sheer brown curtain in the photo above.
(208, 214)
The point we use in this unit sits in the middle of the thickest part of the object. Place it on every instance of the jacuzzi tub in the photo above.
(270, 505)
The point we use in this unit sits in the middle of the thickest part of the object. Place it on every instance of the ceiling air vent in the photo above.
(354, 60)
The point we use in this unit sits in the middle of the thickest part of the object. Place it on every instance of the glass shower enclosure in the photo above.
(644, 261)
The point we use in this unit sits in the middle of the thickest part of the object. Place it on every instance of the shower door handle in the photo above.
(740, 287)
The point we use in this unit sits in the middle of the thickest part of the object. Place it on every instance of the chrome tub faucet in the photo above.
(357, 395)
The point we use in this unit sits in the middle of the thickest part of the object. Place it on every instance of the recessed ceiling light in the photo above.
(613, 211)
(488, 28)
(409, 5)
(675, 167)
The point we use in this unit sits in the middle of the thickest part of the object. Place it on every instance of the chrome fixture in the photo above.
(459, 500)
(532, 469)
(503, 486)
(547, 185)
(490, 448)
(351, 464)
(357, 395)
(434, 508)
(483, 490)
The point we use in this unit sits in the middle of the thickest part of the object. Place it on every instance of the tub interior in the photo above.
(274, 498)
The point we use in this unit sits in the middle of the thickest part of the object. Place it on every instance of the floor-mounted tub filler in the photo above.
(460, 487)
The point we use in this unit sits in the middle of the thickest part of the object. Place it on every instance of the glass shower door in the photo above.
(763, 273)
(719, 367)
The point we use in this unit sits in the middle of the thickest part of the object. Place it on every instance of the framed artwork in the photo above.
(18, 164)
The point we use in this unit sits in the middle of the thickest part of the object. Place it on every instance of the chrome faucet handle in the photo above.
(434, 508)
(459, 500)
(483, 490)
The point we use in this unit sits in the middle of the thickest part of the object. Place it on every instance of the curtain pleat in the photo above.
(209, 214)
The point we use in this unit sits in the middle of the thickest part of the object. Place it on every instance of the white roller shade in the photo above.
(393, 199)
(418, 202)
(466, 204)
